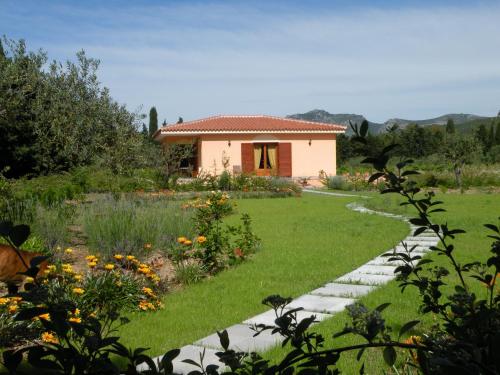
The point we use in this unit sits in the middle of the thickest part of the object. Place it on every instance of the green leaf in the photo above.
(382, 307)
(407, 326)
(364, 128)
(12, 359)
(390, 355)
(5, 228)
(224, 339)
(19, 234)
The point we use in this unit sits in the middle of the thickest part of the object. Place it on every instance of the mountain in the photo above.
(458, 118)
(319, 115)
(463, 121)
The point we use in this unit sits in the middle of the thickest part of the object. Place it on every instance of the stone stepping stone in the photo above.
(422, 238)
(343, 290)
(269, 317)
(379, 261)
(376, 270)
(241, 338)
(320, 303)
(365, 279)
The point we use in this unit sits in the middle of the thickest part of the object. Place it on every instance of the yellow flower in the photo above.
(130, 257)
(67, 268)
(13, 308)
(75, 319)
(4, 300)
(93, 315)
(16, 299)
(145, 270)
(45, 316)
(50, 338)
(78, 277)
(119, 284)
(69, 250)
(148, 291)
(91, 258)
(29, 279)
(201, 239)
(118, 256)
(181, 239)
(78, 290)
(147, 246)
(188, 242)
(109, 266)
(51, 268)
(91, 264)
(77, 312)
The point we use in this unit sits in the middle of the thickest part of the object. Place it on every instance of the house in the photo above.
(261, 145)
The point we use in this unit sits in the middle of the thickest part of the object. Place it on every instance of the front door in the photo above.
(266, 159)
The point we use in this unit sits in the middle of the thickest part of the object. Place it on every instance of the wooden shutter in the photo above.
(285, 159)
(247, 158)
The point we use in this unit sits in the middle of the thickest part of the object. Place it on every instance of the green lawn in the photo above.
(463, 211)
(306, 241)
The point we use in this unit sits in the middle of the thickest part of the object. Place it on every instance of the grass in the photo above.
(307, 242)
(463, 211)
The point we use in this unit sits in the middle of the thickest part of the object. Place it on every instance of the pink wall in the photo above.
(307, 160)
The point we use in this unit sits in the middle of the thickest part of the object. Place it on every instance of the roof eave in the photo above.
(192, 133)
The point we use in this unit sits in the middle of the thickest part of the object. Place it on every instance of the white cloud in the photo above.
(201, 59)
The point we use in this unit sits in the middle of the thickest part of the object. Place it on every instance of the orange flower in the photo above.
(49, 338)
(181, 239)
(75, 319)
(13, 308)
(130, 257)
(201, 239)
(109, 267)
(188, 242)
(118, 256)
(45, 316)
(238, 252)
(147, 246)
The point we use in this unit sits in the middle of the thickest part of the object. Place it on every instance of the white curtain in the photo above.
(271, 154)
(257, 154)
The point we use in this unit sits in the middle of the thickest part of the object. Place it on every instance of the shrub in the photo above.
(189, 272)
(125, 225)
(224, 181)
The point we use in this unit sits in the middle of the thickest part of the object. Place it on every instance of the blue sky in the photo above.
(382, 59)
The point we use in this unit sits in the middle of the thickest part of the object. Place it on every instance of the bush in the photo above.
(125, 225)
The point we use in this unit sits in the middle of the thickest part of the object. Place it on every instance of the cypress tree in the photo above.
(153, 121)
(180, 120)
(497, 133)
(450, 126)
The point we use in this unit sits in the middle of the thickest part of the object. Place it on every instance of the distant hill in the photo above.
(458, 118)
(463, 121)
(319, 115)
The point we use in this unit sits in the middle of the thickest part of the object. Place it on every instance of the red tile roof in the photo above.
(251, 124)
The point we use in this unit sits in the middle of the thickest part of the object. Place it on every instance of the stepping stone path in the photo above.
(323, 302)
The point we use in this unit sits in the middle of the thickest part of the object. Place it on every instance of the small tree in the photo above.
(460, 150)
(169, 160)
(153, 121)
(180, 120)
(450, 126)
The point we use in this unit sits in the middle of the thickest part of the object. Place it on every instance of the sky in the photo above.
(381, 59)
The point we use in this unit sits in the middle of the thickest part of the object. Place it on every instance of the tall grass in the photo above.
(125, 225)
